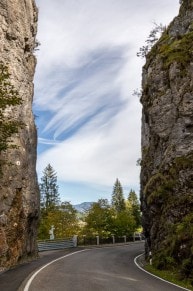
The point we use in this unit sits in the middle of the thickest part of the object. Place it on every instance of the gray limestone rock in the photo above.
(167, 143)
(19, 196)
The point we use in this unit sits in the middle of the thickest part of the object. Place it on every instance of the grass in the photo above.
(171, 276)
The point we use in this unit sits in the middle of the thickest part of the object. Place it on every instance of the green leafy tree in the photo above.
(9, 98)
(64, 219)
(118, 201)
(99, 219)
(135, 207)
(69, 224)
(124, 223)
(49, 195)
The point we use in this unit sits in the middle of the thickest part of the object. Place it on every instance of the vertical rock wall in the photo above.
(167, 145)
(19, 201)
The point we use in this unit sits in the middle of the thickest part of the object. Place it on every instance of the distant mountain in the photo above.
(82, 207)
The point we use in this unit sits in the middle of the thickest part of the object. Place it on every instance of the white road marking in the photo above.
(26, 288)
(135, 261)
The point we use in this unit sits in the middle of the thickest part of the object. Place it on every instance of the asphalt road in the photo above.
(13, 278)
(104, 269)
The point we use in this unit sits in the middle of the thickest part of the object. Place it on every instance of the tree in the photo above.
(135, 207)
(64, 219)
(124, 223)
(9, 97)
(49, 195)
(68, 220)
(118, 201)
(151, 40)
(99, 219)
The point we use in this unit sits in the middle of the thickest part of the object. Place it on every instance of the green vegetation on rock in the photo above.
(176, 221)
(176, 50)
(9, 100)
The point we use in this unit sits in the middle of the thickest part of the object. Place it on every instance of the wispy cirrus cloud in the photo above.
(88, 95)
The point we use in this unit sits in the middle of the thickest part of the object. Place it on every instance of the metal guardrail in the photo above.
(55, 244)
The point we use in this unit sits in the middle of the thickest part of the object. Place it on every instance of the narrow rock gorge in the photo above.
(167, 146)
(19, 201)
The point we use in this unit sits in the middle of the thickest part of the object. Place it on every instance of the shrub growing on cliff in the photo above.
(151, 40)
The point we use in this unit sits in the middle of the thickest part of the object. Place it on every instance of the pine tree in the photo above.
(135, 207)
(49, 195)
(118, 201)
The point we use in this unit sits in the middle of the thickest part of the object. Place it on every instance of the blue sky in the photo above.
(87, 117)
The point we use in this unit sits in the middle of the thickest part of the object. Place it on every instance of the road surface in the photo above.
(98, 269)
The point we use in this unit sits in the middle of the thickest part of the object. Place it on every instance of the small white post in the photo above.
(125, 239)
(113, 237)
(150, 258)
(75, 240)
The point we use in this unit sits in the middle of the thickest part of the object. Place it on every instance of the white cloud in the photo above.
(88, 94)
(100, 156)
(87, 70)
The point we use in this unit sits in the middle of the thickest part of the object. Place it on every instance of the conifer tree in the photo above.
(118, 201)
(135, 207)
(49, 195)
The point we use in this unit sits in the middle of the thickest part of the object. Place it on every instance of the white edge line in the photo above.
(26, 288)
(135, 261)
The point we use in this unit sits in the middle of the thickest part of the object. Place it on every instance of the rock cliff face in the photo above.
(19, 202)
(167, 145)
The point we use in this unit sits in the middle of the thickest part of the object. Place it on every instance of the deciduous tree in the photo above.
(64, 219)
(124, 223)
(99, 219)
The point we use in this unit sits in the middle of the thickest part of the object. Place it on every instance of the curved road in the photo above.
(98, 269)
